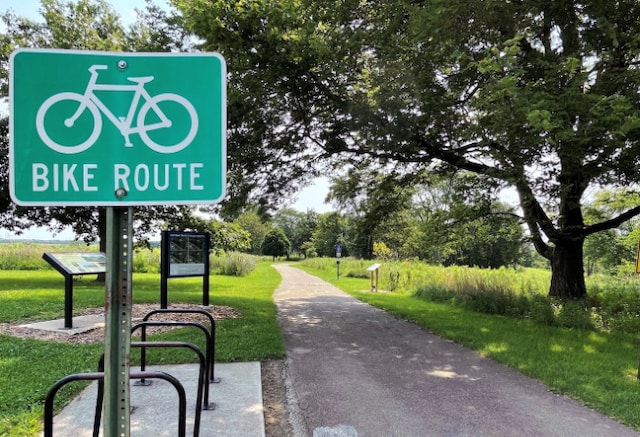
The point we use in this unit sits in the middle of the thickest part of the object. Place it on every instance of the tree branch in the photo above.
(611, 223)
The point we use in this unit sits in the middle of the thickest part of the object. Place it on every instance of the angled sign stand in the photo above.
(117, 130)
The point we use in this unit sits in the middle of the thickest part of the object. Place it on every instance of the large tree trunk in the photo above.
(567, 270)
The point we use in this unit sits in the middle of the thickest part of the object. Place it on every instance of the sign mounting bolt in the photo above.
(122, 64)
(121, 193)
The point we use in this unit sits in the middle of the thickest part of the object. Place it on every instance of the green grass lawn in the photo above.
(599, 369)
(28, 368)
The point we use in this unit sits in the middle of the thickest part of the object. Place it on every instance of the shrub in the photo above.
(146, 261)
(362, 274)
(381, 251)
(540, 310)
(234, 264)
(572, 314)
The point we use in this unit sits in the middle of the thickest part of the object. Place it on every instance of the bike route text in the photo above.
(140, 178)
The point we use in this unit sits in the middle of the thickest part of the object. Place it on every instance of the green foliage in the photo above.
(233, 264)
(276, 244)
(393, 91)
(607, 250)
(146, 260)
(332, 229)
(28, 256)
(298, 227)
(309, 249)
(227, 237)
(613, 306)
(381, 251)
(251, 222)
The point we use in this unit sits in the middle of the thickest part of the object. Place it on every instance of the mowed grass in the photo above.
(597, 368)
(28, 368)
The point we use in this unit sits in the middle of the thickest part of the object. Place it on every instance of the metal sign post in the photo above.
(338, 255)
(118, 303)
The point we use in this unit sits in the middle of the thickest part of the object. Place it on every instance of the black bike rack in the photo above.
(201, 379)
(143, 356)
(206, 370)
(99, 376)
(212, 332)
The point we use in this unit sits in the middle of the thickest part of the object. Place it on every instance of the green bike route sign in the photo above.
(117, 129)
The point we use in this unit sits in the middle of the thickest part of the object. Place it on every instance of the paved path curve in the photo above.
(357, 371)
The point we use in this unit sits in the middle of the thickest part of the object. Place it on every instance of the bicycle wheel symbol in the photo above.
(70, 136)
(70, 123)
(168, 137)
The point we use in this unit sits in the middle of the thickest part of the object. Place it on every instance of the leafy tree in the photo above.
(267, 126)
(251, 222)
(228, 237)
(538, 96)
(370, 198)
(491, 241)
(332, 229)
(449, 219)
(90, 25)
(297, 226)
(276, 244)
(309, 249)
(612, 247)
(381, 251)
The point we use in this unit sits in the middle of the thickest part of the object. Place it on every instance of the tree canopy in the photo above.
(541, 97)
(276, 243)
(83, 25)
(538, 96)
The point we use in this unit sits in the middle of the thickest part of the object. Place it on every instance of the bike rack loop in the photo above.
(143, 355)
(213, 331)
(201, 379)
(99, 376)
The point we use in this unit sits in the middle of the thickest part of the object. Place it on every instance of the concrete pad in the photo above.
(80, 324)
(237, 397)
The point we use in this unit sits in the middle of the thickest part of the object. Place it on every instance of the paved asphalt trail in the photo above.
(357, 371)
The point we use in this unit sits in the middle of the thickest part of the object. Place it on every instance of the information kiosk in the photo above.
(75, 264)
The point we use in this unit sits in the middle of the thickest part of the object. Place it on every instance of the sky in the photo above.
(29, 8)
(310, 198)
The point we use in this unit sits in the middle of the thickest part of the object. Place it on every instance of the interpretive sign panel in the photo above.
(187, 254)
(184, 254)
(71, 264)
(77, 263)
(116, 129)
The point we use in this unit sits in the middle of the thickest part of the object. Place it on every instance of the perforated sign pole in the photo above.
(118, 302)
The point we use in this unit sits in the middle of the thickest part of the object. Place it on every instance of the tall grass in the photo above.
(233, 264)
(28, 256)
(407, 276)
(613, 303)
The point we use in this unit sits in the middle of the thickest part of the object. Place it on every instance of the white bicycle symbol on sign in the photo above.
(89, 101)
